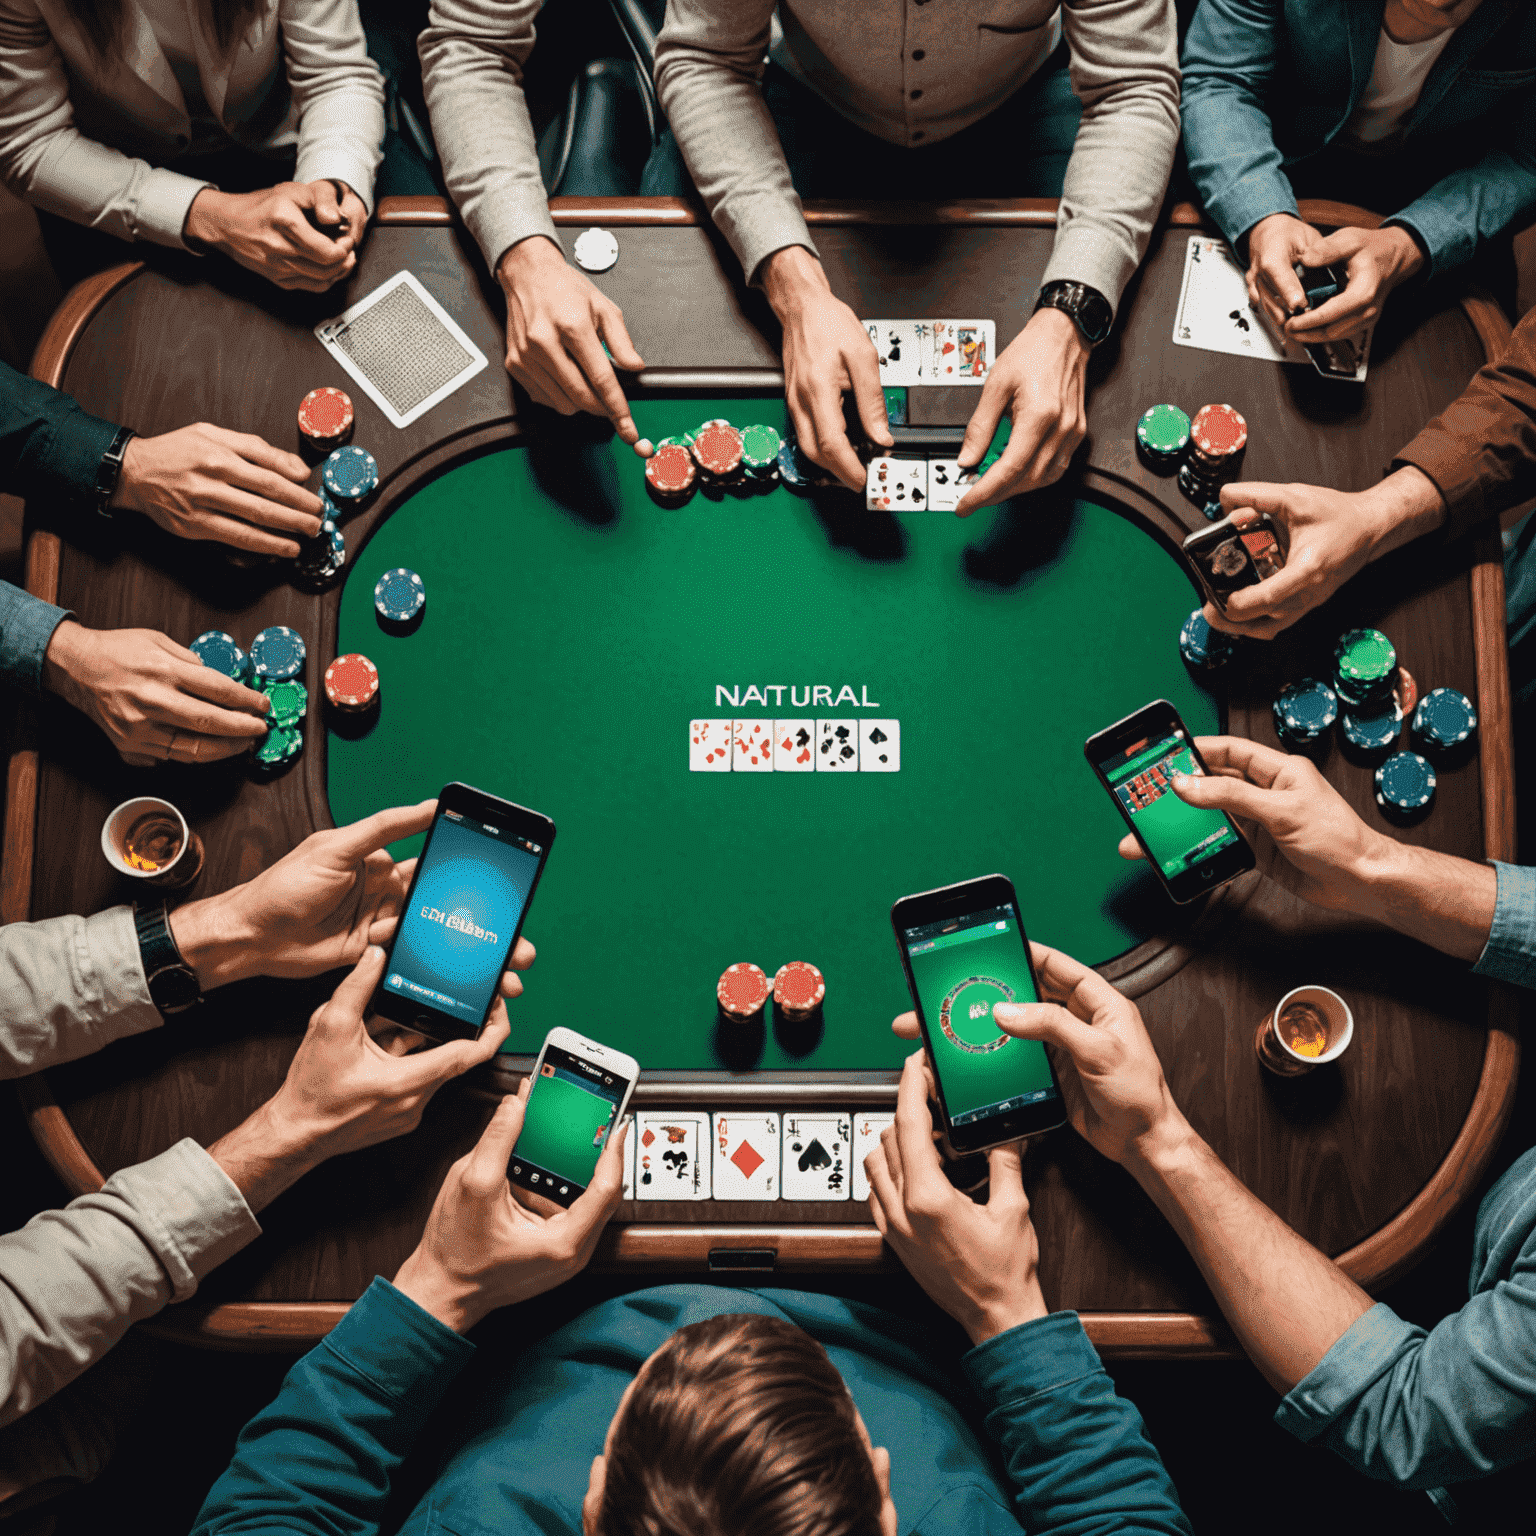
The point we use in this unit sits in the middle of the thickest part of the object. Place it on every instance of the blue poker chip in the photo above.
(218, 650)
(278, 652)
(1201, 646)
(1372, 730)
(1405, 783)
(330, 513)
(1304, 710)
(349, 474)
(789, 468)
(399, 595)
(1445, 718)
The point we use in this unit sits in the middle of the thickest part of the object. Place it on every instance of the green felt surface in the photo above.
(573, 629)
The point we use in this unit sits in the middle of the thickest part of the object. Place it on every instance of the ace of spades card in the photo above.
(1213, 312)
(747, 1151)
(672, 1161)
(816, 1155)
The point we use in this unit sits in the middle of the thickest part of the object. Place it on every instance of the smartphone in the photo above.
(463, 913)
(963, 949)
(1190, 850)
(580, 1091)
(1332, 359)
(1229, 555)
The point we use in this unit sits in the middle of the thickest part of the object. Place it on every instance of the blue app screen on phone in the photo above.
(470, 893)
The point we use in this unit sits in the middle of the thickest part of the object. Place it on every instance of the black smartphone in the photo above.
(963, 949)
(1229, 554)
(463, 913)
(1190, 850)
(1333, 359)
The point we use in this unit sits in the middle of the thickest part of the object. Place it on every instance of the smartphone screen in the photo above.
(1178, 837)
(470, 890)
(572, 1110)
(959, 967)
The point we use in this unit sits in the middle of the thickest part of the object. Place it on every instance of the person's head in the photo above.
(102, 20)
(739, 1426)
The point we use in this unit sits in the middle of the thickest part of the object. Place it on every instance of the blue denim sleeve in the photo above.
(27, 624)
(1510, 953)
(319, 1459)
(1230, 56)
(1076, 1453)
(49, 446)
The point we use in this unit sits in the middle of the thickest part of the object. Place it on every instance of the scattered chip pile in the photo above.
(719, 457)
(1304, 711)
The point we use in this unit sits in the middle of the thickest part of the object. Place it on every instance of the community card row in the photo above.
(794, 746)
(896, 484)
(933, 351)
(749, 1155)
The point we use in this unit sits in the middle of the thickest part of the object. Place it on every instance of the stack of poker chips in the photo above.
(717, 448)
(1217, 437)
(349, 476)
(799, 989)
(219, 650)
(742, 991)
(670, 473)
(352, 684)
(399, 598)
(1444, 721)
(1162, 436)
(799, 473)
(1304, 712)
(1201, 646)
(1365, 679)
(278, 655)
(320, 559)
(1405, 786)
(760, 445)
(718, 456)
(325, 420)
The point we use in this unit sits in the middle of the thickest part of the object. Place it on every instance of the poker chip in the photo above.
(760, 445)
(1444, 718)
(1203, 647)
(322, 557)
(1364, 656)
(742, 990)
(717, 450)
(670, 473)
(790, 473)
(218, 650)
(1213, 511)
(1218, 433)
(290, 700)
(1405, 691)
(798, 989)
(399, 595)
(352, 682)
(596, 249)
(278, 652)
(1372, 732)
(1405, 784)
(1162, 435)
(350, 474)
(325, 416)
(1304, 710)
(280, 746)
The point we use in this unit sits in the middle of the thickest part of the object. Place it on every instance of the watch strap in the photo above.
(1086, 307)
(109, 470)
(173, 984)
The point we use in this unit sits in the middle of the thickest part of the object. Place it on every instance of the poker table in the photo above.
(573, 631)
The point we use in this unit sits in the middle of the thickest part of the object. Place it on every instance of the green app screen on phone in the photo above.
(571, 1111)
(960, 968)
(1179, 836)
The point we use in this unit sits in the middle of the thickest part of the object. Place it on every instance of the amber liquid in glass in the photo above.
(153, 842)
(1305, 1029)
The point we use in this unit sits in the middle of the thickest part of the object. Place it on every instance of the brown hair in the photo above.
(102, 20)
(741, 1426)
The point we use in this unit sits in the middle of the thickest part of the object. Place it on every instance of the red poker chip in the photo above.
(351, 682)
(742, 990)
(798, 988)
(670, 470)
(718, 448)
(325, 413)
(1218, 431)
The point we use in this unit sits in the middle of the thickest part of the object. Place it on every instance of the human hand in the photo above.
(976, 1261)
(827, 353)
(269, 231)
(1039, 381)
(206, 482)
(482, 1249)
(1311, 823)
(154, 699)
(557, 323)
(1275, 245)
(1376, 261)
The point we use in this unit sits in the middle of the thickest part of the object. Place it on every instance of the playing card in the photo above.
(709, 746)
(672, 1159)
(747, 1154)
(960, 351)
(816, 1153)
(794, 746)
(629, 1159)
(879, 746)
(752, 746)
(866, 1138)
(837, 746)
(947, 483)
(896, 485)
(899, 348)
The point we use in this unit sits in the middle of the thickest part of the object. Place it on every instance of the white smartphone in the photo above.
(580, 1091)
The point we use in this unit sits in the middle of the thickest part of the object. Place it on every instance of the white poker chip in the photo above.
(596, 250)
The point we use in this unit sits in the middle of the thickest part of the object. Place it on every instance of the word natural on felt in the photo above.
(816, 693)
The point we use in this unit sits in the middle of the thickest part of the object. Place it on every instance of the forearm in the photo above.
(1285, 1301)
(1445, 902)
(27, 629)
(266, 1154)
(49, 447)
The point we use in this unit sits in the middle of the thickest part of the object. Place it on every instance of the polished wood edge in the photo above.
(1489, 322)
(20, 820)
(56, 1137)
(76, 310)
(1159, 1336)
(1496, 752)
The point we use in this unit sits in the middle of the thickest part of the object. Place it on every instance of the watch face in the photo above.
(174, 988)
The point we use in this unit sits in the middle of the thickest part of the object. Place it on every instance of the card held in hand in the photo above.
(816, 1156)
(747, 1152)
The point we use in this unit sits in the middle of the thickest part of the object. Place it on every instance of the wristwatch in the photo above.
(173, 984)
(110, 470)
(1090, 311)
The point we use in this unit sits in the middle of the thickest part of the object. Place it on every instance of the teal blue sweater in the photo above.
(1031, 1436)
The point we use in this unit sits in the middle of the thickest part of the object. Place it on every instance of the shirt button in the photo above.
(916, 94)
(918, 53)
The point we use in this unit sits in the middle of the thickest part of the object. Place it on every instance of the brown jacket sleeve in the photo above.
(1481, 450)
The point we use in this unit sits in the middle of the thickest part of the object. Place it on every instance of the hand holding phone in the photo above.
(1239, 550)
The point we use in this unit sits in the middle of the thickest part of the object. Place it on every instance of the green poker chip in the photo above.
(1364, 656)
(281, 745)
(1163, 432)
(290, 700)
(760, 446)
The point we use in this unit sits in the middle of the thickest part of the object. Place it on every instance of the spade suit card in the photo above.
(947, 483)
(960, 351)
(896, 485)
(794, 746)
(902, 348)
(672, 1156)
(879, 746)
(747, 1152)
(866, 1138)
(816, 1157)
(837, 746)
(709, 746)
